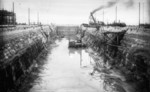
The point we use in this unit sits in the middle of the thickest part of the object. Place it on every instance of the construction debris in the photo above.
(124, 51)
(19, 55)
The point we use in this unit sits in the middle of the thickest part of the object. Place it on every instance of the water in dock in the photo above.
(67, 70)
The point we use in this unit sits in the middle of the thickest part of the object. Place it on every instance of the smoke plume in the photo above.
(129, 3)
(126, 3)
(109, 4)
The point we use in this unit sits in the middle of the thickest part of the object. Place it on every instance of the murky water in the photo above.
(67, 70)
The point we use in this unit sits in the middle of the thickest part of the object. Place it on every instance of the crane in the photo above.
(91, 15)
(96, 24)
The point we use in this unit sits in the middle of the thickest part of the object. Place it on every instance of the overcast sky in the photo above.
(77, 11)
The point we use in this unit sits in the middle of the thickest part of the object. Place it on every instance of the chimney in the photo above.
(29, 16)
(149, 10)
(13, 7)
(143, 15)
(139, 14)
(103, 15)
(37, 18)
(13, 10)
(116, 14)
(1, 5)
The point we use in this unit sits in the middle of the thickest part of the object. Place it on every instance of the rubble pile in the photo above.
(19, 55)
(127, 52)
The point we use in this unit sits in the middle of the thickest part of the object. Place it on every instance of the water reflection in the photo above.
(85, 58)
(69, 70)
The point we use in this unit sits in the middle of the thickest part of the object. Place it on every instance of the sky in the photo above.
(78, 11)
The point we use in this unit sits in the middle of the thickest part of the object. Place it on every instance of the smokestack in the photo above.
(1, 3)
(37, 18)
(103, 15)
(149, 10)
(143, 14)
(116, 14)
(29, 16)
(139, 14)
(13, 7)
(13, 10)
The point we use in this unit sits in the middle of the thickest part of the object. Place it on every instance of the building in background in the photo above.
(7, 17)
